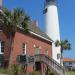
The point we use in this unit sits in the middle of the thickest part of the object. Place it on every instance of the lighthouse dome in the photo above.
(50, 0)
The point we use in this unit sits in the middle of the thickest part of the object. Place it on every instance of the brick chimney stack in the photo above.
(35, 23)
(0, 4)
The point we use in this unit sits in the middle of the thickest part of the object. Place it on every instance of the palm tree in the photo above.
(10, 20)
(65, 45)
(14, 18)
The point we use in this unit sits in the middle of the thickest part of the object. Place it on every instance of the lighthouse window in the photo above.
(58, 56)
(45, 11)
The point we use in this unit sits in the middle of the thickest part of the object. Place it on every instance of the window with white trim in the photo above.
(24, 48)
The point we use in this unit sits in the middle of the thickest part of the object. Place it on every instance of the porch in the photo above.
(43, 63)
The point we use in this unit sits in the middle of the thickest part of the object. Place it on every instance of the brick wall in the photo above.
(32, 43)
(7, 47)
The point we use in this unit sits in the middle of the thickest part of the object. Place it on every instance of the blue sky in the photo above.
(66, 9)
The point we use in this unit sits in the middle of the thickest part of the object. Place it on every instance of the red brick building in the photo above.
(21, 43)
(32, 48)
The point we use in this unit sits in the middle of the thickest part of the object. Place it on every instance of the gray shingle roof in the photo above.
(38, 31)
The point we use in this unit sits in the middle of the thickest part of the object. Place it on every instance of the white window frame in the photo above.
(24, 48)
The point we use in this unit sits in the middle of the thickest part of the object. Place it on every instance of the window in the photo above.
(37, 50)
(70, 63)
(24, 48)
(58, 56)
(47, 52)
(2, 46)
(45, 11)
(0, 29)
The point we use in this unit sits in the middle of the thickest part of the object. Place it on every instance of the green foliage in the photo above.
(15, 70)
(4, 71)
(36, 73)
(64, 44)
(70, 73)
(14, 18)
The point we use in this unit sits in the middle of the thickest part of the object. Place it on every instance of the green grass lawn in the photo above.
(70, 73)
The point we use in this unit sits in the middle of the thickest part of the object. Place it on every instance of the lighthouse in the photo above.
(52, 26)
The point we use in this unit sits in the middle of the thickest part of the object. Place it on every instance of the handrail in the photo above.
(50, 62)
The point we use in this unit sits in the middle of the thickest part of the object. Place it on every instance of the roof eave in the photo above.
(31, 32)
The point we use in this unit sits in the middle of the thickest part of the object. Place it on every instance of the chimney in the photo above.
(0, 4)
(35, 23)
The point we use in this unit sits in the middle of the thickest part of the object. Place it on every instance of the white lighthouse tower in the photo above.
(52, 26)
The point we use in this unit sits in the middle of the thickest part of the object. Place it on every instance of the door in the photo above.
(36, 51)
(37, 54)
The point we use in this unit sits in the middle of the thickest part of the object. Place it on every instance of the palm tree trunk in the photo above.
(11, 44)
(61, 59)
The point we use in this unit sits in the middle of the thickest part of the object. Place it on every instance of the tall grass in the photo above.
(36, 73)
(17, 70)
(12, 70)
(4, 71)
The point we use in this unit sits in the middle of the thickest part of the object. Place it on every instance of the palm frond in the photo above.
(14, 18)
(65, 45)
